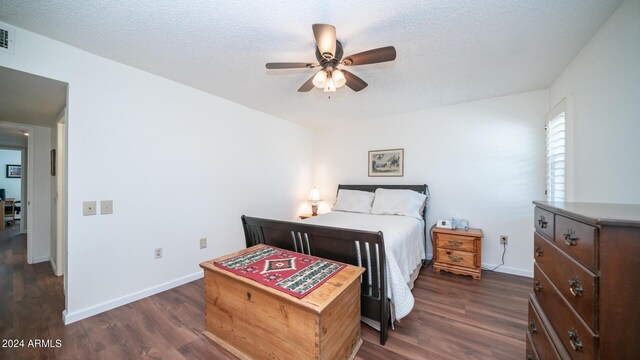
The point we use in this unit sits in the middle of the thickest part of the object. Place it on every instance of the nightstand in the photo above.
(457, 251)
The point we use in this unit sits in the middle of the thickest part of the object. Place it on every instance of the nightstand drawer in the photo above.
(458, 258)
(578, 240)
(578, 285)
(456, 242)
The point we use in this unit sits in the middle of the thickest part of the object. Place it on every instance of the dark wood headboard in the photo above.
(422, 189)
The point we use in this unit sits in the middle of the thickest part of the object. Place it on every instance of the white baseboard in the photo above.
(72, 317)
(40, 259)
(509, 270)
(502, 269)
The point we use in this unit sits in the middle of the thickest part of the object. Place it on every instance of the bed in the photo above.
(391, 261)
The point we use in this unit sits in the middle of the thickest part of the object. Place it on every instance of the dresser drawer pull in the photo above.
(454, 243)
(570, 237)
(542, 222)
(575, 287)
(455, 258)
(530, 357)
(538, 285)
(532, 326)
(248, 296)
(574, 340)
(538, 251)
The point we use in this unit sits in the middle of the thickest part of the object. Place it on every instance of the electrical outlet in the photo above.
(203, 243)
(158, 253)
(504, 240)
(88, 208)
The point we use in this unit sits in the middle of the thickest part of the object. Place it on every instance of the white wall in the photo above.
(11, 186)
(483, 161)
(178, 163)
(604, 80)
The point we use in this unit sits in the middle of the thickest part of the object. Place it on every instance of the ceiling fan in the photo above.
(329, 55)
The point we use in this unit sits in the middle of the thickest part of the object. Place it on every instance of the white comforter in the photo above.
(403, 244)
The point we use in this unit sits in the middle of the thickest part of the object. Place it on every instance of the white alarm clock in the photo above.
(444, 224)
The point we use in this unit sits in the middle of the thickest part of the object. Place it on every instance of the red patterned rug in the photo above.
(287, 271)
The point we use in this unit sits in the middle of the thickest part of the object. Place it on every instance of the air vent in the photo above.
(6, 38)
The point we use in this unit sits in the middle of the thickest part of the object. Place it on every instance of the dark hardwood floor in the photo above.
(455, 317)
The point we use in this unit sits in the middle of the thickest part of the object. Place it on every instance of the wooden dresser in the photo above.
(457, 251)
(586, 292)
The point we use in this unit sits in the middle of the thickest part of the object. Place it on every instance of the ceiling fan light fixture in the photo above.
(331, 86)
(320, 80)
(338, 78)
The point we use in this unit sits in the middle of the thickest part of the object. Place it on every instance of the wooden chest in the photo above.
(457, 251)
(585, 295)
(253, 321)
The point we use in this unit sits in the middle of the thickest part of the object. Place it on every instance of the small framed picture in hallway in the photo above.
(14, 171)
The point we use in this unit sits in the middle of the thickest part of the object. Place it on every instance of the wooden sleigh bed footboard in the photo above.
(355, 247)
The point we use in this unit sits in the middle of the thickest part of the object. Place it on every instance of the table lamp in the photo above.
(314, 197)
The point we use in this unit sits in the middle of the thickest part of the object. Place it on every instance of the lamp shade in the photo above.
(320, 80)
(338, 78)
(314, 194)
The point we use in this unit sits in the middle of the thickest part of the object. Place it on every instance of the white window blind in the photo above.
(556, 158)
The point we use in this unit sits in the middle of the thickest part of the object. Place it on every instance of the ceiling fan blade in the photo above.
(307, 86)
(382, 54)
(290, 65)
(355, 83)
(325, 39)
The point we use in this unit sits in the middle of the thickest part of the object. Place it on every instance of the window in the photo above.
(556, 158)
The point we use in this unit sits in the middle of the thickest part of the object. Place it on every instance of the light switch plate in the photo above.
(88, 208)
(106, 207)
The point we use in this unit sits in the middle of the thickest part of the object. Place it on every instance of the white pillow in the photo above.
(354, 201)
(398, 202)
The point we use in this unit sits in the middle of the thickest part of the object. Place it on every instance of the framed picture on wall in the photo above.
(14, 171)
(386, 162)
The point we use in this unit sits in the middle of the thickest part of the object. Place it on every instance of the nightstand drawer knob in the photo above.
(532, 326)
(455, 258)
(538, 251)
(575, 340)
(575, 287)
(454, 243)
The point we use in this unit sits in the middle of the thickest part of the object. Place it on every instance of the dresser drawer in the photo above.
(578, 285)
(456, 242)
(540, 339)
(575, 335)
(544, 222)
(458, 258)
(578, 240)
(530, 351)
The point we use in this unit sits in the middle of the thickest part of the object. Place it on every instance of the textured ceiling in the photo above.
(448, 51)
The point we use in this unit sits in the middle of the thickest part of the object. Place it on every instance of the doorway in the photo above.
(33, 112)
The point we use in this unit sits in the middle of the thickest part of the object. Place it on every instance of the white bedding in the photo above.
(404, 249)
